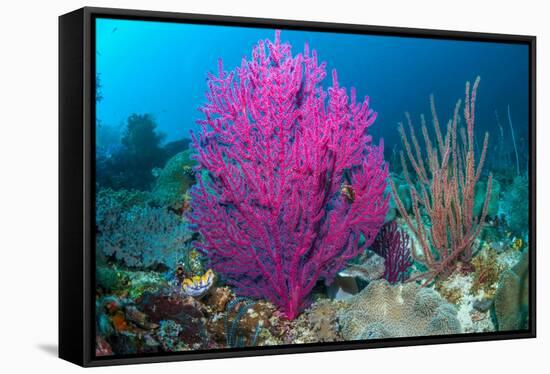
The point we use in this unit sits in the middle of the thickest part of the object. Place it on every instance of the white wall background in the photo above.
(28, 184)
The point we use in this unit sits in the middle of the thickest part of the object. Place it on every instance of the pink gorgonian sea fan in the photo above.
(288, 181)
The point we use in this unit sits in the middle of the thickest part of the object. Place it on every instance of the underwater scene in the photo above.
(258, 187)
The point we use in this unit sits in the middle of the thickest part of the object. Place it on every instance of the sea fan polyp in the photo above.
(288, 180)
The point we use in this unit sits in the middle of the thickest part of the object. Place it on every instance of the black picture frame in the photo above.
(76, 183)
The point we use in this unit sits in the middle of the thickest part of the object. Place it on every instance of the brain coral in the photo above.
(385, 311)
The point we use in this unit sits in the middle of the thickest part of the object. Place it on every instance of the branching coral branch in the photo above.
(394, 245)
(444, 188)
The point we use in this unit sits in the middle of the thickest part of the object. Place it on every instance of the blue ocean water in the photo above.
(161, 68)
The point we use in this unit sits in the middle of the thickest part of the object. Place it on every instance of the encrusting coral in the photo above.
(385, 311)
(446, 190)
(323, 321)
(293, 180)
(318, 323)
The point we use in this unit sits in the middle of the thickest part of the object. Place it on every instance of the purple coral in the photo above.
(394, 245)
(288, 182)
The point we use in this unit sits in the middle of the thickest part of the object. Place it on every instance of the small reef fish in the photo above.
(517, 243)
(198, 286)
(348, 192)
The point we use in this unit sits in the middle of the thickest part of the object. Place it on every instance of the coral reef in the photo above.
(173, 181)
(361, 270)
(219, 297)
(140, 282)
(322, 322)
(140, 152)
(394, 245)
(494, 201)
(446, 189)
(236, 322)
(453, 294)
(123, 328)
(110, 279)
(293, 180)
(457, 290)
(187, 312)
(511, 301)
(139, 236)
(486, 272)
(278, 222)
(177, 146)
(107, 144)
(102, 347)
(168, 335)
(244, 320)
(110, 202)
(514, 205)
(384, 311)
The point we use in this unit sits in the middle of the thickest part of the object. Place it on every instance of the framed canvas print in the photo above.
(236, 186)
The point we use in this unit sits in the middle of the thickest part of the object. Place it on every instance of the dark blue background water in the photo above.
(160, 68)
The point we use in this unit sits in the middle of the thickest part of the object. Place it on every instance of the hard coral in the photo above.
(451, 294)
(385, 311)
(109, 279)
(139, 236)
(288, 181)
(511, 301)
(244, 321)
(139, 152)
(219, 297)
(122, 199)
(174, 180)
(169, 336)
(140, 282)
(322, 319)
(187, 312)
